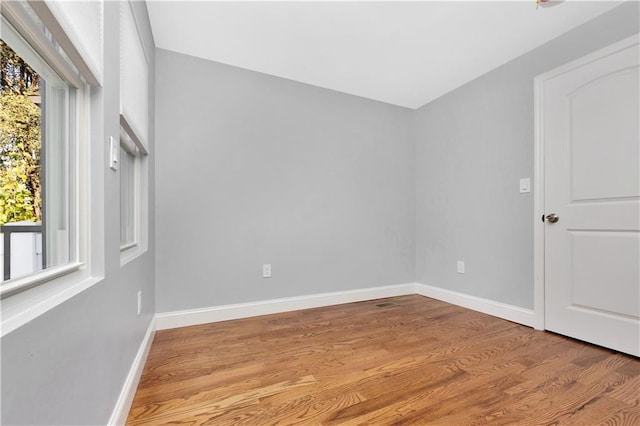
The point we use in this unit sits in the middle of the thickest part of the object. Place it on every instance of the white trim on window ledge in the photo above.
(131, 251)
(17, 285)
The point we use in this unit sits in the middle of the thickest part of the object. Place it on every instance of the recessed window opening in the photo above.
(38, 208)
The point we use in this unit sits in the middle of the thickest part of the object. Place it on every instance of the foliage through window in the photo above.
(36, 209)
(20, 121)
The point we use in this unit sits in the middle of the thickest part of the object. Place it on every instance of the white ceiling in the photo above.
(402, 53)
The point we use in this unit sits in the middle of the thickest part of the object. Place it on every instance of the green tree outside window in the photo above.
(20, 140)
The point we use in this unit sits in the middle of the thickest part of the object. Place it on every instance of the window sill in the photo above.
(18, 285)
(18, 309)
(130, 252)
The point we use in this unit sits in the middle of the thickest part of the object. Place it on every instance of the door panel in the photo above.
(604, 127)
(605, 257)
(591, 134)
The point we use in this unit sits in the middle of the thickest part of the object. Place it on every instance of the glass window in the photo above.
(129, 190)
(36, 197)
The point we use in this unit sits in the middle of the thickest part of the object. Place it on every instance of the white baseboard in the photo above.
(501, 310)
(123, 405)
(167, 320)
(189, 317)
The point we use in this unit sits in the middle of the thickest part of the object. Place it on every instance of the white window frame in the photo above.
(42, 291)
(134, 111)
(131, 251)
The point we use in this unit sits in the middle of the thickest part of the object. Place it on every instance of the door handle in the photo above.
(552, 218)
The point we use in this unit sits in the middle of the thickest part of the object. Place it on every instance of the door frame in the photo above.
(538, 168)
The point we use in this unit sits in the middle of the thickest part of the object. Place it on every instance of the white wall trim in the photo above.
(175, 319)
(486, 306)
(538, 203)
(123, 405)
(189, 317)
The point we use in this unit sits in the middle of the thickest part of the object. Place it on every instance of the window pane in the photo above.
(128, 231)
(56, 165)
(34, 162)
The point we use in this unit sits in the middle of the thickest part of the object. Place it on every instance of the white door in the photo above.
(591, 136)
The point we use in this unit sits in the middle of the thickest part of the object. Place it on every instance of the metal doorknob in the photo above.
(553, 218)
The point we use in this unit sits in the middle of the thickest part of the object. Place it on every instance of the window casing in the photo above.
(55, 229)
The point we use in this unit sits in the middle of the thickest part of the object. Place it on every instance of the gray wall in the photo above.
(472, 147)
(68, 366)
(324, 186)
(255, 169)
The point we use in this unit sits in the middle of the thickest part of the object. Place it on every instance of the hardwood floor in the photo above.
(416, 361)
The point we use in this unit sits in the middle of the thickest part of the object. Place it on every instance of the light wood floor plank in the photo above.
(417, 361)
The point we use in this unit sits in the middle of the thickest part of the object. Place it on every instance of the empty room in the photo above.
(320, 213)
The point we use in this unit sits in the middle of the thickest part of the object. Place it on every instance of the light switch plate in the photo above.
(113, 153)
(525, 185)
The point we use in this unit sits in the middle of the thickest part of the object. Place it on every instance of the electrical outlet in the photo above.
(460, 267)
(266, 271)
(139, 302)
